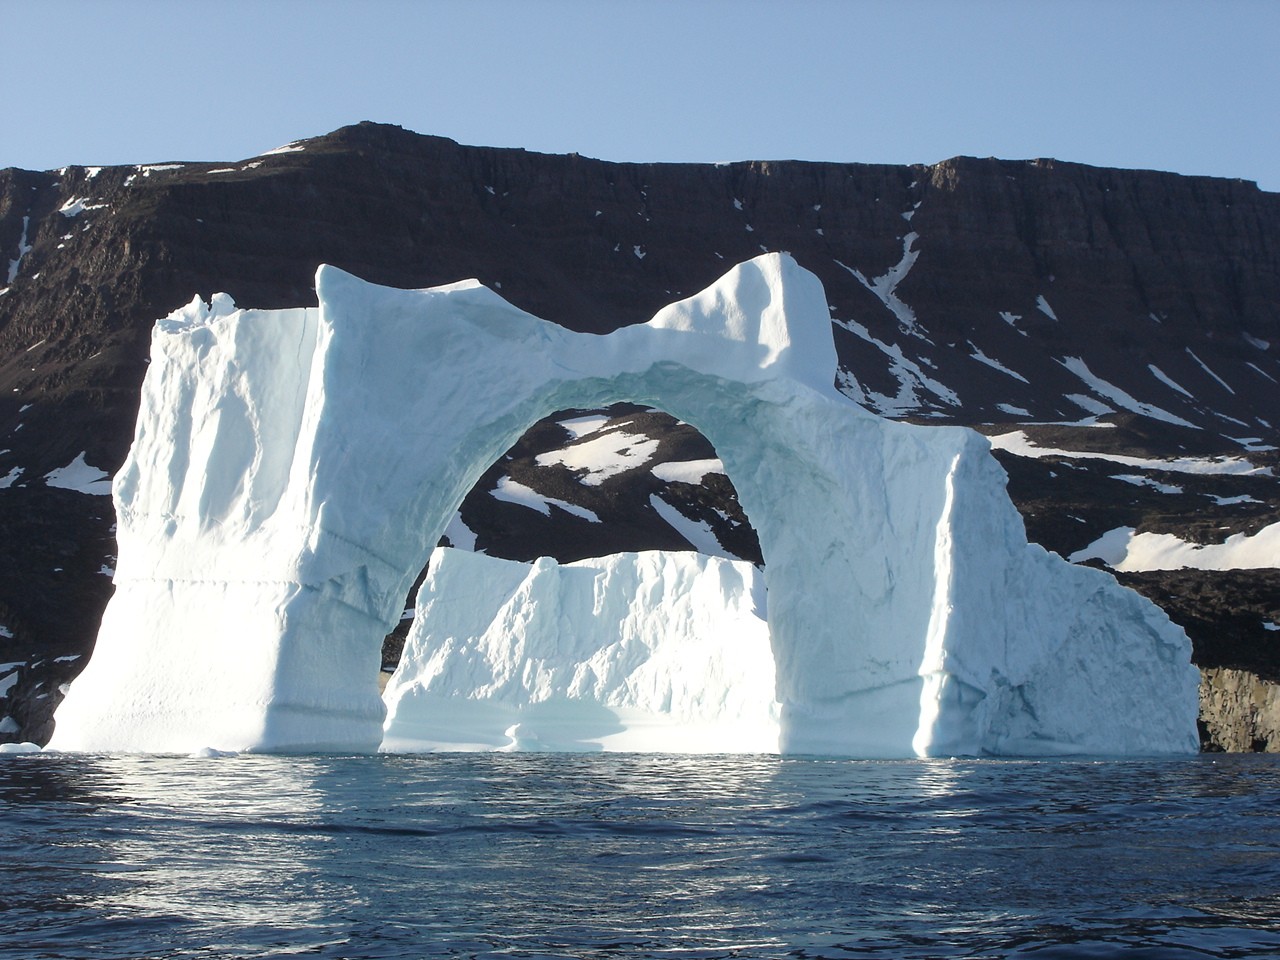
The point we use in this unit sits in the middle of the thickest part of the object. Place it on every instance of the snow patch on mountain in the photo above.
(687, 471)
(977, 354)
(579, 427)
(1253, 444)
(512, 491)
(1124, 549)
(79, 476)
(1255, 341)
(1018, 443)
(295, 147)
(1257, 369)
(1205, 367)
(1168, 381)
(909, 374)
(1117, 396)
(462, 536)
(78, 205)
(885, 286)
(1141, 481)
(1012, 410)
(1090, 405)
(23, 249)
(698, 533)
(603, 456)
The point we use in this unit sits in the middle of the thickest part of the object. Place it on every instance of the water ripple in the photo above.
(636, 856)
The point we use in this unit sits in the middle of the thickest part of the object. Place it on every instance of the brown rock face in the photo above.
(1239, 712)
(979, 292)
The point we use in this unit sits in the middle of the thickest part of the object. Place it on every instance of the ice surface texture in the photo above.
(654, 651)
(292, 471)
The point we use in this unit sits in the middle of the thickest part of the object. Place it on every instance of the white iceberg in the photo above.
(655, 651)
(293, 469)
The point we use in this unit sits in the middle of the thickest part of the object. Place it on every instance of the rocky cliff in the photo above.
(1118, 330)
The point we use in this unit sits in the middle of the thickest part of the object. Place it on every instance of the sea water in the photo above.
(609, 855)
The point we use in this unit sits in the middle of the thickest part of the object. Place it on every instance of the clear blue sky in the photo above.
(1186, 85)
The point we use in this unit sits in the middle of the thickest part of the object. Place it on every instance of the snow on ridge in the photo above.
(1113, 393)
(1017, 443)
(512, 491)
(602, 457)
(1043, 306)
(1123, 549)
(80, 477)
(994, 364)
(885, 286)
(8, 479)
(687, 471)
(1255, 341)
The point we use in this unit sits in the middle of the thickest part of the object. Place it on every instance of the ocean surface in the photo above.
(608, 855)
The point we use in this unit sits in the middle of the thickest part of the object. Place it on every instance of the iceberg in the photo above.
(292, 471)
(648, 652)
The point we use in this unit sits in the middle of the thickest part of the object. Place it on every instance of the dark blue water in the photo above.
(637, 856)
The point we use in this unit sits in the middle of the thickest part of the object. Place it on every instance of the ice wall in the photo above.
(658, 652)
(292, 470)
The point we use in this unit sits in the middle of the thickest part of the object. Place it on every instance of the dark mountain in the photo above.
(1104, 314)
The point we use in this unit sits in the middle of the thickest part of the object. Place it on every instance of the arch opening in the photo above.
(628, 624)
(591, 483)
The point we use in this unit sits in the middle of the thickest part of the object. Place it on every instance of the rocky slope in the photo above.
(1118, 331)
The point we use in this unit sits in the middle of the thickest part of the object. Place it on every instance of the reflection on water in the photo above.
(623, 855)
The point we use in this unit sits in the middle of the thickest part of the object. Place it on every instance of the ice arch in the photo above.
(292, 469)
